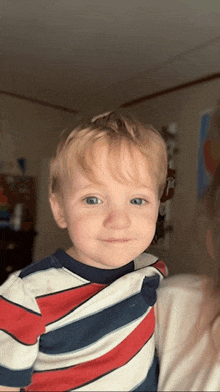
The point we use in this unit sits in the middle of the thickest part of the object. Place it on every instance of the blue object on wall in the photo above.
(203, 178)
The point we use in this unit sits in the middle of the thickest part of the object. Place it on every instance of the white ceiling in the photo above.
(92, 55)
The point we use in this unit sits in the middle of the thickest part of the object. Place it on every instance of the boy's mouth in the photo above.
(116, 240)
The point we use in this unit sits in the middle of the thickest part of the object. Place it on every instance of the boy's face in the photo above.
(113, 222)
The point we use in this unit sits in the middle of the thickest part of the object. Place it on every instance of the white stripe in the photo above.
(51, 281)
(14, 355)
(144, 260)
(95, 350)
(14, 290)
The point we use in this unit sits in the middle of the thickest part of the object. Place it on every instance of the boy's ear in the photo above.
(58, 212)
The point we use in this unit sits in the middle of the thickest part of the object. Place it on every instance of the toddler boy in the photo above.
(84, 319)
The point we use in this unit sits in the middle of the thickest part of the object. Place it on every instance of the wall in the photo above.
(34, 130)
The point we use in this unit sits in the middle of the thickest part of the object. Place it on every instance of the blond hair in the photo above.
(113, 129)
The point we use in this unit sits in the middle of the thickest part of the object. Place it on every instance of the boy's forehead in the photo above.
(104, 155)
(124, 163)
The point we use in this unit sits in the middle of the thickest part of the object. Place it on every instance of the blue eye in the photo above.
(92, 200)
(138, 201)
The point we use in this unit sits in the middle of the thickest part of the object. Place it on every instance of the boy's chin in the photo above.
(107, 260)
(111, 263)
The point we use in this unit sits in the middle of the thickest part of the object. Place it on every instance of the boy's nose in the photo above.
(117, 220)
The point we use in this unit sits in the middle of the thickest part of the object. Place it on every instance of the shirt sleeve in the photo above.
(188, 358)
(20, 328)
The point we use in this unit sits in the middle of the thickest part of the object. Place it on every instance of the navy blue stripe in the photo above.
(148, 290)
(61, 259)
(42, 265)
(151, 381)
(90, 329)
(15, 378)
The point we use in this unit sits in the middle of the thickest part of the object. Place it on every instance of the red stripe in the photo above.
(160, 266)
(78, 375)
(24, 325)
(57, 305)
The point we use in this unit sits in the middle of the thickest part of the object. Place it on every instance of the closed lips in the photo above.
(116, 239)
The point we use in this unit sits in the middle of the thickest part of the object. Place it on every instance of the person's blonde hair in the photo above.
(113, 129)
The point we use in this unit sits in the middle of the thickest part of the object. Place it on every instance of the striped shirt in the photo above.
(68, 326)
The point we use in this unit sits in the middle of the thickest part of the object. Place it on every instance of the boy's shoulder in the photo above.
(40, 278)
